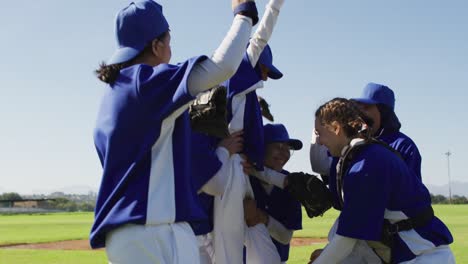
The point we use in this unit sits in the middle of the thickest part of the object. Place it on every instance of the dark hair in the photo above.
(389, 121)
(109, 73)
(347, 114)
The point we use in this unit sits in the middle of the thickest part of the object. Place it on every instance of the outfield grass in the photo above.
(25, 256)
(317, 227)
(456, 218)
(15, 229)
(58, 227)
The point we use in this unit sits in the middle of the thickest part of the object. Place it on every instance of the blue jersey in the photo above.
(399, 142)
(142, 137)
(379, 185)
(244, 110)
(280, 205)
(407, 149)
(205, 165)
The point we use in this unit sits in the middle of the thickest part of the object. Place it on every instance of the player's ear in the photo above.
(156, 47)
(336, 127)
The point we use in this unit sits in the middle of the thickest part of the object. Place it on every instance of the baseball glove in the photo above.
(311, 192)
(208, 113)
(265, 108)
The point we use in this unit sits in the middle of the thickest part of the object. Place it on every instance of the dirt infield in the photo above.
(84, 244)
(61, 245)
(307, 241)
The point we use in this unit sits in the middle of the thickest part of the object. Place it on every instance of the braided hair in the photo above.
(354, 122)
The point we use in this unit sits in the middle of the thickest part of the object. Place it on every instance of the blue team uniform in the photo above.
(407, 149)
(374, 190)
(242, 87)
(280, 205)
(143, 139)
(205, 165)
(398, 141)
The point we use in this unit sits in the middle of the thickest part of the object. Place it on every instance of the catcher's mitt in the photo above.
(265, 108)
(208, 113)
(311, 192)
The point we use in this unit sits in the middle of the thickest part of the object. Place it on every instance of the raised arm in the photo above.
(264, 30)
(228, 56)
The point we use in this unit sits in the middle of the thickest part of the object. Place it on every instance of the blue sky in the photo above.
(50, 96)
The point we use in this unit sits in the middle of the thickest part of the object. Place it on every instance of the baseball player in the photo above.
(378, 103)
(383, 202)
(209, 161)
(274, 206)
(142, 136)
(244, 114)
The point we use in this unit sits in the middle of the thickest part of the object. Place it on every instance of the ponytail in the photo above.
(109, 73)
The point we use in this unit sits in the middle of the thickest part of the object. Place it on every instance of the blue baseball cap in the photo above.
(136, 26)
(266, 58)
(278, 133)
(377, 94)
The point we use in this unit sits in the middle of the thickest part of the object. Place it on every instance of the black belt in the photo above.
(421, 219)
(390, 230)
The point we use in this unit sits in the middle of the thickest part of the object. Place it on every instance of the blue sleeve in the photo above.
(252, 122)
(254, 142)
(366, 194)
(412, 159)
(244, 78)
(294, 216)
(407, 149)
(163, 89)
(205, 162)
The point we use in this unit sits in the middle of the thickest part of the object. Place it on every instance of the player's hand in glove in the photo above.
(208, 113)
(311, 192)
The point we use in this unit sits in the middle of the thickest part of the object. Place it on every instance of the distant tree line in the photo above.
(456, 199)
(10, 196)
(86, 202)
(61, 201)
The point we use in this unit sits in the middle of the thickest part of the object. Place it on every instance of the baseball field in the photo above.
(62, 238)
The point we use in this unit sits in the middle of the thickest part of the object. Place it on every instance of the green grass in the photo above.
(15, 229)
(301, 255)
(317, 227)
(25, 256)
(456, 218)
(68, 226)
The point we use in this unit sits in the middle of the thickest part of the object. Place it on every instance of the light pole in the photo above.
(448, 153)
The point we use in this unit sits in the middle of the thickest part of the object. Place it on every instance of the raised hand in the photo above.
(246, 8)
(235, 3)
